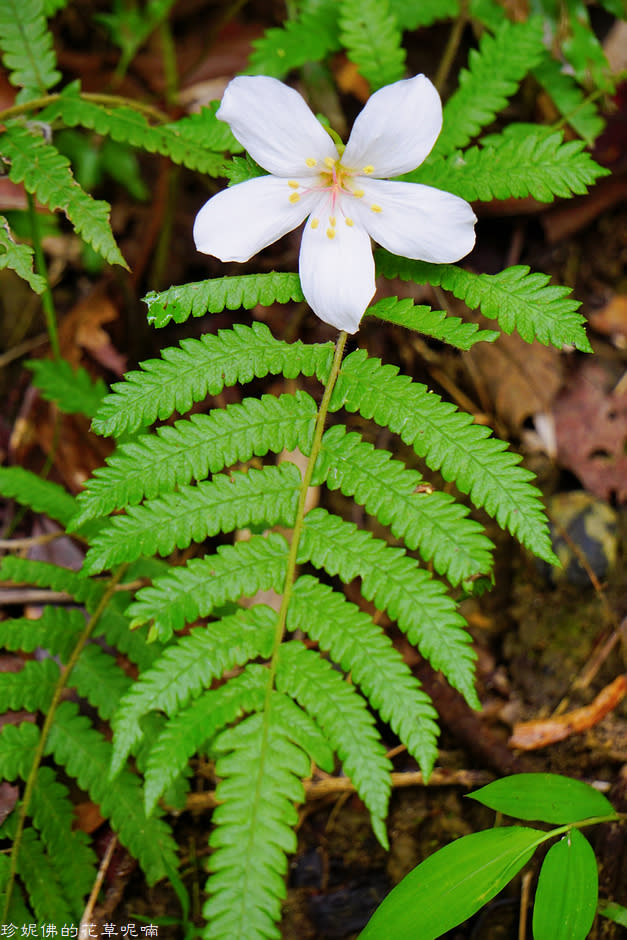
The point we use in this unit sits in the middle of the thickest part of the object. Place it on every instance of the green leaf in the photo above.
(567, 892)
(37, 493)
(98, 679)
(18, 258)
(18, 746)
(47, 175)
(434, 323)
(412, 14)
(41, 879)
(31, 688)
(614, 912)
(26, 44)
(581, 113)
(373, 41)
(453, 883)
(548, 797)
(221, 293)
(72, 390)
(56, 630)
(308, 38)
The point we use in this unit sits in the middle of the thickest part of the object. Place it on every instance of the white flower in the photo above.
(343, 197)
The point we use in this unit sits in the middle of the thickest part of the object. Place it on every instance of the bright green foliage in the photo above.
(98, 679)
(372, 38)
(17, 749)
(131, 26)
(567, 892)
(309, 38)
(493, 75)
(548, 797)
(42, 880)
(40, 494)
(47, 175)
(582, 114)
(26, 47)
(515, 165)
(412, 14)
(194, 513)
(516, 298)
(72, 390)
(187, 373)
(221, 293)
(19, 258)
(434, 323)
(197, 141)
(46, 575)
(450, 442)
(31, 688)
(362, 649)
(56, 631)
(241, 169)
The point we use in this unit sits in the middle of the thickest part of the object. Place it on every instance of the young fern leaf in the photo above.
(432, 522)
(450, 442)
(196, 589)
(56, 631)
(26, 45)
(86, 756)
(412, 14)
(518, 299)
(114, 627)
(18, 744)
(72, 390)
(195, 448)
(536, 164)
(581, 113)
(343, 715)
(394, 583)
(188, 373)
(37, 493)
(189, 730)
(188, 667)
(434, 323)
(362, 649)
(31, 688)
(47, 175)
(221, 293)
(308, 38)
(194, 513)
(198, 142)
(495, 71)
(18, 258)
(97, 677)
(373, 41)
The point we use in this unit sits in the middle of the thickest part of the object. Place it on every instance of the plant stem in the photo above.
(451, 48)
(40, 264)
(107, 101)
(45, 731)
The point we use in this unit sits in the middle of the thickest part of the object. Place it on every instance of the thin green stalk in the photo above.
(45, 731)
(107, 101)
(40, 264)
(450, 51)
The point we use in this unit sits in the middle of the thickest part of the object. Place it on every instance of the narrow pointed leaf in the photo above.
(547, 797)
(568, 888)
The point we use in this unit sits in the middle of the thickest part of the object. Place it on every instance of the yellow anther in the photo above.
(368, 169)
(349, 222)
(332, 220)
(330, 233)
(330, 162)
(293, 184)
(310, 161)
(294, 197)
(375, 208)
(315, 223)
(358, 192)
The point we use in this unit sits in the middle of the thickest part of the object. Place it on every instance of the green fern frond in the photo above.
(371, 36)
(261, 769)
(581, 113)
(18, 744)
(188, 373)
(37, 493)
(221, 293)
(26, 45)
(53, 6)
(31, 688)
(362, 649)
(191, 450)
(194, 513)
(412, 14)
(72, 390)
(308, 38)
(192, 727)
(47, 175)
(242, 169)
(97, 677)
(41, 879)
(450, 442)
(114, 627)
(195, 590)
(434, 323)
(342, 713)
(53, 815)
(393, 582)
(46, 575)
(86, 756)
(432, 522)
(518, 299)
(198, 141)
(494, 73)
(18, 258)
(188, 667)
(533, 164)
(56, 631)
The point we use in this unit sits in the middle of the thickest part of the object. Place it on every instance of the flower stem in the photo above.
(450, 51)
(40, 263)
(106, 101)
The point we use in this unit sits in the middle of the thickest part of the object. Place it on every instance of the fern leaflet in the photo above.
(41, 878)
(97, 678)
(581, 113)
(221, 293)
(187, 373)
(370, 34)
(450, 442)
(192, 449)
(434, 323)
(27, 50)
(31, 688)
(417, 603)
(412, 14)
(56, 631)
(494, 73)
(39, 494)
(47, 175)
(19, 258)
(309, 38)
(516, 298)
(46, 575)
(18, 744)
(194, 513)
(72, 390)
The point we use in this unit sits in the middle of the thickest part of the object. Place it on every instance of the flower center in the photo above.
(338, 181)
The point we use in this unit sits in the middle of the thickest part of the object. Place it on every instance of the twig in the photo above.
(93, 897)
